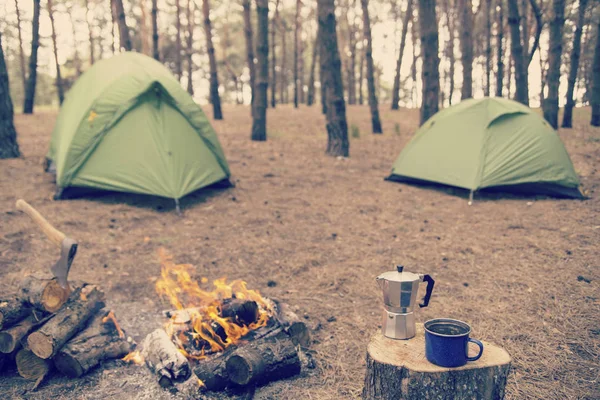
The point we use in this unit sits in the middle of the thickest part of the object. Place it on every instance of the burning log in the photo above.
(82, 304)
(242, 312)
(164, 359)
(11, 337)
(264, 361)
(31, 366)
(101, 340)
(44, 294)
(12, 310)
(212, 372)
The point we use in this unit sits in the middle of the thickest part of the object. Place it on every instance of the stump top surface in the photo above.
(411, 353)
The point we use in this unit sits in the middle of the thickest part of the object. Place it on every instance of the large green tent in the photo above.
(490, 143)
(127, 125)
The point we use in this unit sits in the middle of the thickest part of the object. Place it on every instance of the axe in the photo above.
(68, 246)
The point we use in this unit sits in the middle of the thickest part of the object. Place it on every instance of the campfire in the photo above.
(227, 334)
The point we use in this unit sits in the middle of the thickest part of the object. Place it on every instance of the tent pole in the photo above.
(471, 197)
(177, 208)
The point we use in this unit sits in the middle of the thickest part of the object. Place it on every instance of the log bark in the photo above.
(164, 359)
(81, 306)
(215, 99)
(397, 369)
(567, 121)
(396, 89)
(337, 125)
(262, 362)
(11, 337)
(12, 310)
(431, 61)
(31, 366)
(518, 56)
(373, 103)
(259, 120)
(213, 374)
(243, 312)
(44, 294)
(35, 44)
(100, 340)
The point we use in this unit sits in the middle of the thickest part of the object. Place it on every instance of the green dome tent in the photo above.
(127, 125)
(490, 143)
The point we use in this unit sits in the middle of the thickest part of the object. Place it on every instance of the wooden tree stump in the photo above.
(398, 369)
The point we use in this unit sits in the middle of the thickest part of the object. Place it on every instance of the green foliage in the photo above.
(354, 131)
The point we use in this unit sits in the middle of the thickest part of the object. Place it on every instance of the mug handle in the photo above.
(478, 343)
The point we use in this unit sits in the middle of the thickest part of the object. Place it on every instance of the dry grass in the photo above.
(323, 228)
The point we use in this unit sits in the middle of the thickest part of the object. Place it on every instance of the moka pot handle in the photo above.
(430, 282)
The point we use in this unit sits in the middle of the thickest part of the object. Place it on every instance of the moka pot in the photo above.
(399, 297)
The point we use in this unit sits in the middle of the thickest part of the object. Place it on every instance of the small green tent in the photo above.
(490, 143)
(127, 125)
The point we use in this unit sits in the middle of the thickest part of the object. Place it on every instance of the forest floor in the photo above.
(524, 272)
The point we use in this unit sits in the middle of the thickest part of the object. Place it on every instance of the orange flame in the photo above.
(197, 327)
(111, 317)
(134, 357)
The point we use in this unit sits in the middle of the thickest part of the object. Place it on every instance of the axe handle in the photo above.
(53, 234)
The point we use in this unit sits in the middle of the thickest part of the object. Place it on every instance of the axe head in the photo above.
(68, 249)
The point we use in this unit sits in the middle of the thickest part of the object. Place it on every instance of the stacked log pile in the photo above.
(271, 352)
(45, 327)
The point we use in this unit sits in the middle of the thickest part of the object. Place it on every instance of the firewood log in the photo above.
(31, 366)
(243, 312)
(12, 310)
(10, 338)
(293, 325)
(164, 359)
(82, 304)
(263, 361)
(99, 341)
(212, 373)
(44, 294)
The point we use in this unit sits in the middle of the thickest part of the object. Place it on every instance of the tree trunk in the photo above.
(499, 49)
(595, 97)
(557, 23)
(396, 370)
(466, 47)
(296, 52)
(21, 53)
(431, 62)
(274, 23)
(143, 30)
(351, 70)
(322, 75)
(373, 105)
(155, 51)
(361, 76)
(59, 83)
(178, 62)
(113, 27)
(284, 83)
(249, 49)
(83, 304)
(488, 49)
(124, 38)
(191, 8)
(518, 56)
(396, 88)
(567, 121)
(8, 135)
(310, 97)
(76, 59)
(215, 99)
(35, 43)
(538, 30)
(524, 12)
(413, 67)
(337, 126)
(89, 20)
(259, 122)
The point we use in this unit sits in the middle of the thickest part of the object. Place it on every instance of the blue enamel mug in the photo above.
(447, 342)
